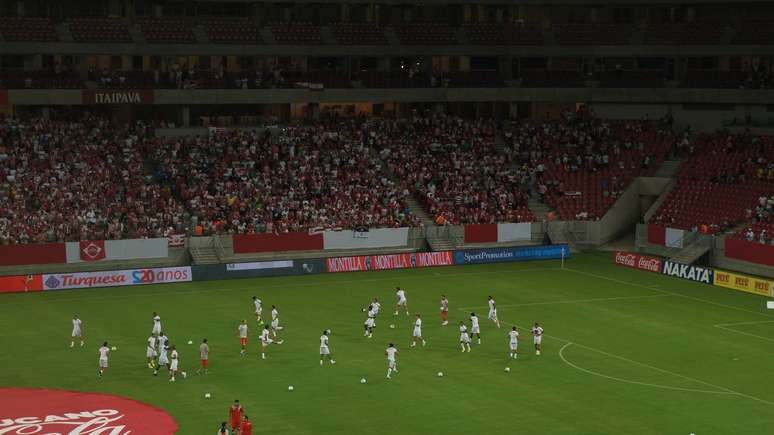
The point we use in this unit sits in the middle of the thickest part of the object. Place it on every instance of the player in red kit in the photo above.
(247, 426)
(235, 412)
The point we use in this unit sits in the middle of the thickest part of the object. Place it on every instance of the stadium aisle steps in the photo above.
(200, 35)
(63, 32)
(539, 209)
(204, 255)
(668, 169)
(266, 35)
(327, 36)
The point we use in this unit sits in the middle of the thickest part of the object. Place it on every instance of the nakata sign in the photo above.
(388, 262)
(636, 261)
(55, 412)
(116, 278)
(685, 271)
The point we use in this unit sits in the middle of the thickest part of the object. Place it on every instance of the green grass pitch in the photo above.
(625, 352)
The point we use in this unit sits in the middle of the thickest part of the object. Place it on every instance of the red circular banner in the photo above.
(28, 411)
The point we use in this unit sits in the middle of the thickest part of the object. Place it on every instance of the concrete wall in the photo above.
(176, 257)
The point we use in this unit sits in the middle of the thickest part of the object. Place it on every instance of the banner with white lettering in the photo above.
(686, 271)
(117, 96)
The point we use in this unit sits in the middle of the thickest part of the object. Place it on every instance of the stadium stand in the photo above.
(166, 30)
(64, 181)
(698, 33)
(99, 30)
(358, 34)
(454, 169)
(32, 29)
(592, 34)
(504, 34)
(754, 32)
(425, 34)
(581, 166)
(720, 182)
(232, 31)
(296, 33)
(314, 177)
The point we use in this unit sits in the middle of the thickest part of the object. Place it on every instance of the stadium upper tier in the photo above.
(754, 30)
(95, 179)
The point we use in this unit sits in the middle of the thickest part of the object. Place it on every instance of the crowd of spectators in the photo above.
(95, 179)
(311, 177)
(453, 167)
(580, 164)
(66, 181)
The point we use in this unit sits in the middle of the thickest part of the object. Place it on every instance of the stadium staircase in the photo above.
(539, 209)
(693, 252)
(136, 34)
(63, 32)
(327, 37)
(266, 35)
(438, 238)
(206, 254)
(200, 34)
(668, 169)
(659, 201)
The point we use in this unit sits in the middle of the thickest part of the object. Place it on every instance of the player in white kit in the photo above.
(258, 309)
(377, 306)
(513, 342)
(266, 341)
(156, 324)
(104, 352)
(77, 331)
(242, 331)
(150, 351)
(537, 337)
(474, 327)
(370, 322)
(392, 364)
(493, 311)
(173, 364)
(163, 340)
(275, 321)
(163, 357)
(417, 334)
(464, 337)
(402, 302)
(325, 351)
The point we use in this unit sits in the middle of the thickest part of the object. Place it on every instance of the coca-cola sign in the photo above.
(26, 411)
(636, 261)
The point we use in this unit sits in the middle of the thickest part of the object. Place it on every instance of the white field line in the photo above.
(754, 322)
(634, 284)
(749, 334)
(658, 369)
(628, 381)
(569, 301)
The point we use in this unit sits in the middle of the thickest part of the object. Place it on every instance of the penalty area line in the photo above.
(569, 301)
(629, 381)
